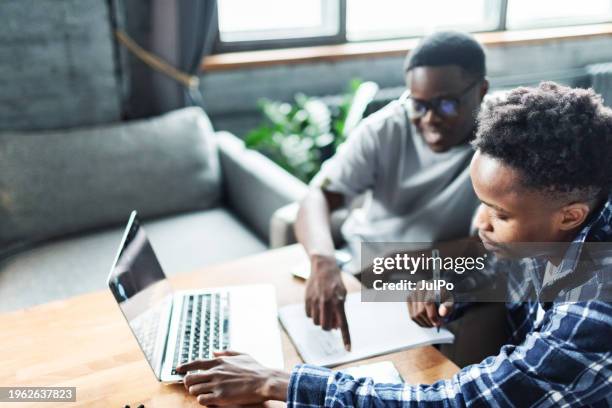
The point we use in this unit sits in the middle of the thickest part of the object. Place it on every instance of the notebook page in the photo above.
(376, 328)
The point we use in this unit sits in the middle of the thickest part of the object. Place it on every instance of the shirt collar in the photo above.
(599, 228)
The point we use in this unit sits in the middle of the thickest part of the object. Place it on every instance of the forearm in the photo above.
(276, 387)
(313, 227)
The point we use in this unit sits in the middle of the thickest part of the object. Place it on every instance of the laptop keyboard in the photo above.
(203, 328)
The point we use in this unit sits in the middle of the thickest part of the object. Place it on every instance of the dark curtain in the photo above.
(181, 32)
(198, 28)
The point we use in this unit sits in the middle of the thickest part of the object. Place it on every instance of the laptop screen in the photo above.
(139, 286)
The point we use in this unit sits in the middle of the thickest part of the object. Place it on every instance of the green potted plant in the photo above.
(301, 136)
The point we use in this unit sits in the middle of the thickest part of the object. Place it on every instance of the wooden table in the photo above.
(85, 343)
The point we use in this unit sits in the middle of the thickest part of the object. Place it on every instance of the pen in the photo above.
(435, 254)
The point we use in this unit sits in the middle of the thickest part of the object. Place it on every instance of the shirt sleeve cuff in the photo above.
(326, 180)
(307, 386)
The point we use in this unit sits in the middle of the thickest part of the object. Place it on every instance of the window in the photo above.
(262, 24)
(401, 18)
(548, 13)
(245, 24)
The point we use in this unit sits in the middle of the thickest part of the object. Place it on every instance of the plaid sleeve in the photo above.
(308, 386)
(564, 364)
(312, 386)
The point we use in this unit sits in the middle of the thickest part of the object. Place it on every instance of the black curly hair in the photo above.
(558, 138)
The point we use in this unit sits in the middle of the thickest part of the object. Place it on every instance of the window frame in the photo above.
(222, 47)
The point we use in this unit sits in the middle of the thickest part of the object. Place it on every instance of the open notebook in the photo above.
(376, 328)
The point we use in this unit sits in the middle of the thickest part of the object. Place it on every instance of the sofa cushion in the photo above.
(61, 182)
(183, 243)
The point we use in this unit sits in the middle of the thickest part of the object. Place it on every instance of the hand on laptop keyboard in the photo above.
(204, 328)
(233, 378)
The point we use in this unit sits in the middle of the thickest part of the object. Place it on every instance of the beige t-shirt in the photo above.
(414, 194)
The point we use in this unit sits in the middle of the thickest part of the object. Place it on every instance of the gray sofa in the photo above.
(65, 195)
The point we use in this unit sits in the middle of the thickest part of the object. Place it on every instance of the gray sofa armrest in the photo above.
(254, 186)
(282, 224)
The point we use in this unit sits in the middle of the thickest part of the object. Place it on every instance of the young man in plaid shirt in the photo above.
(543, 172)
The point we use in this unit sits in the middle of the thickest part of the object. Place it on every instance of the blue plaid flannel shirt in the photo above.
(563, 361)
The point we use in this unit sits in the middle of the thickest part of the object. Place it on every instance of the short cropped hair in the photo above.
(448, 48)
(558, 138)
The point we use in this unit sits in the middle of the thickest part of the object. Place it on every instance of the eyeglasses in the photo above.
(446, 107)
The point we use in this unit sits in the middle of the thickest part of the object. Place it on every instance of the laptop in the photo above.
(173, 327)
